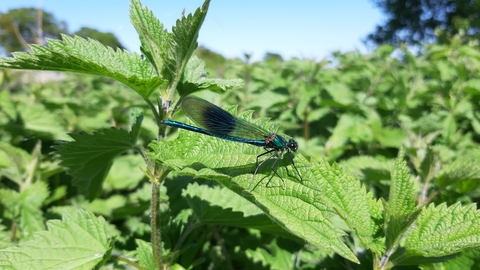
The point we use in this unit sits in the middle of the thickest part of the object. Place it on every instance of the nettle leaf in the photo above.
(401, 200)
(152, 34)
(5, 237)
(340, 93)
(90, 157)
(13, 162)
(341, 191)
(145, 256)
(268, 99)
(272, 257)
(136, 119)
(349, 127)
(36, 119)
(75, 54)
(126, 172)
(400, 212)
(184, 42)
(298, 208)
(465, 260)
(31, 215)
(472, 86)
(195, 79)
(442, 231)
(221, 206)
(79, 241)
(7, 107)
(106, 206)
(11, 201)
(463, 168)
(390, 137)
(367, 168)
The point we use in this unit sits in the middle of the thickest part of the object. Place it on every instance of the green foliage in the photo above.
(388, 158)
(90, 157)
(296, 208)
(443, 230)
(417, 22)
(170, 52)
(91, 57)
(107, 39)
(145, 256)
(47, 249)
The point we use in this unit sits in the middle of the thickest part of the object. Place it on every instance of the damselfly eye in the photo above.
(292, 145)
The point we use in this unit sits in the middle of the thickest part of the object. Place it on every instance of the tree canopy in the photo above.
(107, 38)
(414, 22)
(23, 26)
(19, 27)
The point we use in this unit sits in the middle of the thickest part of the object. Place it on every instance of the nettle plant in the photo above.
(328, 212)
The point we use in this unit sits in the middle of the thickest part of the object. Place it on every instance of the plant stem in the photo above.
(154, 110)
(155, 226)
(127, 261)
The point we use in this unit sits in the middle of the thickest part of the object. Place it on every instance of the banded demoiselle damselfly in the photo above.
(214, 121)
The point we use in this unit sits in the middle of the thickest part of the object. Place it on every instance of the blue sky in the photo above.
(305, 29)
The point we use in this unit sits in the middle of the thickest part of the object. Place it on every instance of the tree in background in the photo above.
(23, 26)
(107, 39)
(414, 22)
(19, 27)
(214, 62)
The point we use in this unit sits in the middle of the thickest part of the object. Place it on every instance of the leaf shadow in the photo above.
(265, 171)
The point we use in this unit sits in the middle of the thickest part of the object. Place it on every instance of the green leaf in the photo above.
(449, 127)
(11, 200)
(6, 105)
(145, 255)
(13, 162)
(297, 207)
(267, 99)
(349, 128)
(472, 86)
(152, 34)
(463, 168)
(340, 93)
(367, 168)
(274, 258)
(36, 119)
(31, 215)
(466, 260)
(90, 157)
(136, 119)
(57, 194)
(184, 42)
(446, 69)
(5, 237)
(442, 230)
(400, 209)
(430, 165)
(316, 114)
(346, 195)
(91, 57)
(220, 206)
(79, 241)
(126, 172)
(194, 79)
(106, 206)
(390, 137)
(401, 201)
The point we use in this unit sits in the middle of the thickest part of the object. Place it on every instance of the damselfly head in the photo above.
(292, 145)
